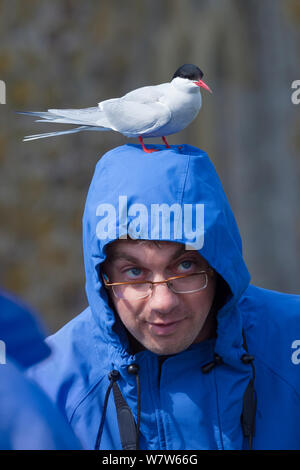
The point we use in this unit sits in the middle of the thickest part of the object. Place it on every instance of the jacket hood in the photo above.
(126, 191)
(21, 333)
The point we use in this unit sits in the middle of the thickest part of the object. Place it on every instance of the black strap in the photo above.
(126, 422)
(249, 401)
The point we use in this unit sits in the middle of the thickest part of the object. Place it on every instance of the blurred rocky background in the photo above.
(68, 53)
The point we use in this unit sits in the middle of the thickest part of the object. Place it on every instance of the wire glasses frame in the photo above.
(150, 284)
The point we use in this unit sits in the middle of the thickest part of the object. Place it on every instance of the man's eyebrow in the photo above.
(123, 255)
(179, 251)
(119, 255)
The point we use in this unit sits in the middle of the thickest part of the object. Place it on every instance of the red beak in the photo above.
(203, 85)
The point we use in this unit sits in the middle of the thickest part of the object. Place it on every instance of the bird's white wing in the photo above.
(133, 118)
(147, 94)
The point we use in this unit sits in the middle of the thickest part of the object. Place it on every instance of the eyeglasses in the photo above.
(184, 284)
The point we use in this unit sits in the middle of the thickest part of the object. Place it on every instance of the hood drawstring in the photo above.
(249, 399)
(113, 376)
(134, 369)
(129, 430)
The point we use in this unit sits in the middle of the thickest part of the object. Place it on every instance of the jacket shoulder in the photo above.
(271, 322)
(273, 304)
(258, 304)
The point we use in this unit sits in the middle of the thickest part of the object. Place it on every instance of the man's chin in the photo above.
(167, 349)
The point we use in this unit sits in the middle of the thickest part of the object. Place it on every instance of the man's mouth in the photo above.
(164, 328)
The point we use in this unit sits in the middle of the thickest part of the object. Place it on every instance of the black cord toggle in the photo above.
(247, 358)
(218, 360)
(133, 369)
(210, 365)
(114, 375)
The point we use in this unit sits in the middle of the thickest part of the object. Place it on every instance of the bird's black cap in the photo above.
(190, 71)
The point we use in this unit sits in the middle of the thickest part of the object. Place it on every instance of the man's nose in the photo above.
(163, 299)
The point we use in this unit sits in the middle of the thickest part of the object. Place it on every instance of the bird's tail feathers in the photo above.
(69, 131)
(87, 116)
(50, 117)
(43, 114)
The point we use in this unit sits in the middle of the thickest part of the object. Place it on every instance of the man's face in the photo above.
(165, 322)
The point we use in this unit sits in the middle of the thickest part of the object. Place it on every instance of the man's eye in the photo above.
(184, 265)
(134, 272)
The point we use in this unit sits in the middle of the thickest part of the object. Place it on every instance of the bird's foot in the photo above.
(144, 148)
(149, 150)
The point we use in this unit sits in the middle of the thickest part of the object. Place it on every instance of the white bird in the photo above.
(150, 111)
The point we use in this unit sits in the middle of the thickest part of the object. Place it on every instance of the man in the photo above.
(175, 351)
(28, 419)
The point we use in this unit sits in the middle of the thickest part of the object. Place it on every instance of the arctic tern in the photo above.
(150, 111)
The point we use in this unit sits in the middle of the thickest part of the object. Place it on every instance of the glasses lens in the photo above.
(189, 284)
(132, 291)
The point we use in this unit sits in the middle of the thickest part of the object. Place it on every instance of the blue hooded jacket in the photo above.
(177, 406)
(28, 419)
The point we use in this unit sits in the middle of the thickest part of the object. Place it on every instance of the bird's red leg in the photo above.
(165, 142)
(144, 148)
